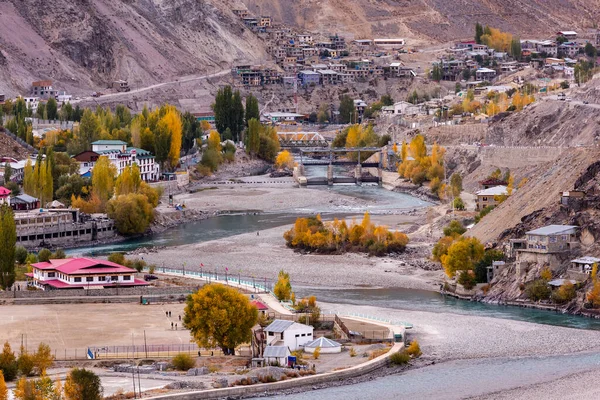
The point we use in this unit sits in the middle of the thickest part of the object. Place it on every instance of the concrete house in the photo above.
(551, 239)
(289, 334)
(487, 197)
(485, 74)
(584, 265)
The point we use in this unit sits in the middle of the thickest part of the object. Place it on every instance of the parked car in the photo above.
(150, 277)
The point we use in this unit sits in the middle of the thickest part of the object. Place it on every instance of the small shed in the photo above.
(276, 355)
(556, 283)
(262, 308)
(326, 345)
(584, 264)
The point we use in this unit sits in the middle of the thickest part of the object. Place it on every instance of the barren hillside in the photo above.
(440, 20)
(540, 192)
(87, 44)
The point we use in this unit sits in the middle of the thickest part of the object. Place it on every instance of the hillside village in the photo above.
(203, 210)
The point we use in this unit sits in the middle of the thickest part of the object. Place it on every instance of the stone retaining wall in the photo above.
(334, 376)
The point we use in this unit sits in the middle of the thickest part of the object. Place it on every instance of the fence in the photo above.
(251, 283)
(143, 351)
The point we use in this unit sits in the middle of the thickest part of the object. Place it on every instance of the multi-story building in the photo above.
(43, 89)
(122, 156)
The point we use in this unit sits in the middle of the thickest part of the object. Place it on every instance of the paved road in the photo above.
(573, 102)
(156, 86)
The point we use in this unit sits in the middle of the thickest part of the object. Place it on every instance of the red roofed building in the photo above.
(78, 273)
(492, 182)
(4, 195)
(262, 308)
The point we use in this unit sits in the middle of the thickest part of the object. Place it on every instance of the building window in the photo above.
(77, 279)
(114, 278)
(297, 335)
(271, 334)
(101, 278)
(127, 277)
(51, 274)
(304, 334)
(89, 279)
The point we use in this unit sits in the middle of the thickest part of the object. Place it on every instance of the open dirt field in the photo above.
(77, 326)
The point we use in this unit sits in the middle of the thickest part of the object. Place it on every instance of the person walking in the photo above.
(171, 325)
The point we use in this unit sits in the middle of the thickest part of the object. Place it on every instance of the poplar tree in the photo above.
(252, 110)
(52, 109)
(103, 180)
(8, 240)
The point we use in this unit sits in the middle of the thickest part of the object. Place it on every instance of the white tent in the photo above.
(326, 345)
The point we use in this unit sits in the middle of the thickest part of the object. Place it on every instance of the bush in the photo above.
(42, 359)
(317, 353)
(483, 213)
(151, 269)
(203, 170)
(44, 255)
(139, 265)
(352, 352)
(538, 290)
(459, 204)
(454, 228)
(211, 159)
(83, 384)
(20, 255)
(565, 293)
(183, 362)
(117, 258)
(414, 350)
(31, 258)
(132, 213)
(8, 363)
(400, 358)
(467, 279)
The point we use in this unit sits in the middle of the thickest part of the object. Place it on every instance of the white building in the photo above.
(403, 108)
(79, 273)
(32, 103)
(276, 355)
(389, 43)
(122, 156)
(289, 334)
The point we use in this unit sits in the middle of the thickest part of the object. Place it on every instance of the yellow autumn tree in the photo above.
(404, 151)
(172, 120)
(497, 40)
(103, 180)
(284, 160)
(3, 388)
(128, 181)
(462, 255)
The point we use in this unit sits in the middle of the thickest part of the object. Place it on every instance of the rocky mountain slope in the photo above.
(439, 20)
(87, 44)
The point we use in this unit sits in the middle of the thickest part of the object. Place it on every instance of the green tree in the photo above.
(191, 131)
(66, 112)
(7, 172)
(82, 384)
(252, 110)
(454, 229)
(183, 362)
(52, 109)
(386, 100)
(254, 128)
(89, 129)
(478, 33)
(220, 316)
(347, 110)
(229, 112)
(456, 184)
(41, 112)
(590, 50)
(44, 255)
(8, 240)
(437, 73)
(515, 48)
